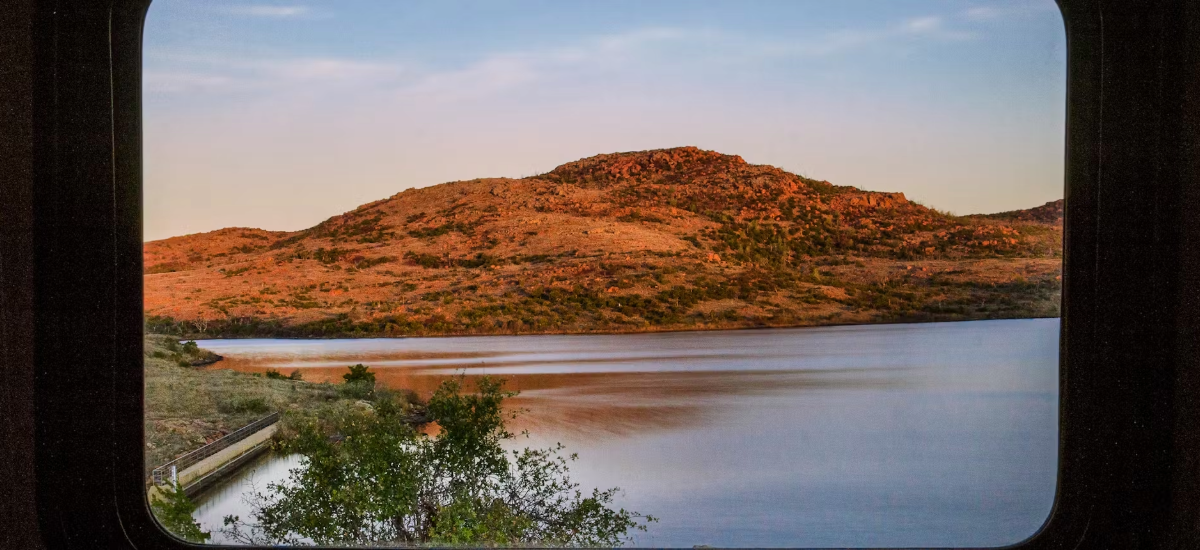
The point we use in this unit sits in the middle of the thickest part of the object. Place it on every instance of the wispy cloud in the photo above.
(929, 27)
(491, 75)
(982, 13)
(328, 69)
(487, 75)
(271, 11)
(634, 39)
(922, 25)
(505, 71)
(993, 12)
(501, 72)
(224, 74)
(498, 72)
(171, 82)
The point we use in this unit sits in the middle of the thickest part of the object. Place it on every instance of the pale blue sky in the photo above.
(281, 114)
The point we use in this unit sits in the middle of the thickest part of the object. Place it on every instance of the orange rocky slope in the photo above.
(654, 240)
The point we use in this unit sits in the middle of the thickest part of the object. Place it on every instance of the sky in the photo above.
(279, 115)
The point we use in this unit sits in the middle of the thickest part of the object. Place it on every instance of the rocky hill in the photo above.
(654, 240)
(1049, 213)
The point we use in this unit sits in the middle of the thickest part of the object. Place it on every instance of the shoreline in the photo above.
(369, 336)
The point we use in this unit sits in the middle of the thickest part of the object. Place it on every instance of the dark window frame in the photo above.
(1131, 145)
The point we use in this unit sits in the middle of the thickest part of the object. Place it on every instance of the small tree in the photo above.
(383, 482)
(359, 373)
(296, 375)
(174, 511)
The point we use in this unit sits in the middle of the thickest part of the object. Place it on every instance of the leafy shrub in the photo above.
(235, 272)
(174, 511)
(358, 389)
(295, 375)
(638, 216)
(371, 262)
(359, 373)
(274, 375)
(396, 398)
(385, 483)
(329, 256)
(480, 260)
(428, 261)
(243, 405)
(166, 267)
(427, 232)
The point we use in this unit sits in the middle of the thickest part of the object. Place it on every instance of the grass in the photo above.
(185, 407)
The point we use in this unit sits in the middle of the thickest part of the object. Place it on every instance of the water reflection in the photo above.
(898, 435)
(229, 497)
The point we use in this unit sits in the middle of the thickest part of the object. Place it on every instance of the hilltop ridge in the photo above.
(666, 239)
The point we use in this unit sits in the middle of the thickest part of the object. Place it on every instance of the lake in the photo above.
(937, 434)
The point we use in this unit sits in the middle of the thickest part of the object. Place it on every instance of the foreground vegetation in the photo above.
(174, 511)
(371, 478)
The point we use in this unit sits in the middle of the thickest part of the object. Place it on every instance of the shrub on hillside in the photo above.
(358, 389)
(256, 405)
(358, 373)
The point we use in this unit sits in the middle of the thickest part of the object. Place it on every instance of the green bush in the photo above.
(174, 511)
(274, 375)
(358, 389)
(384, 397)
(243, 405)
(295, 375)
(358, 373)
(386, 483)
(423, 259)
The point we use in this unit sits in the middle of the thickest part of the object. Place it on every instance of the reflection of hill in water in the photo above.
(885, 435)
(612, 385)
(623, 404)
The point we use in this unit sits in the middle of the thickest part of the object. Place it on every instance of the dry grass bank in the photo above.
(186, 407)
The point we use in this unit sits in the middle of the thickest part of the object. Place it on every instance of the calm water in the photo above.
(939, 434)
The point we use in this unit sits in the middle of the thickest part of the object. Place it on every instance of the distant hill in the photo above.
(655, 240)
(1049, 213)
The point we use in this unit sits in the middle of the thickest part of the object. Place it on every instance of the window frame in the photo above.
(87, 209)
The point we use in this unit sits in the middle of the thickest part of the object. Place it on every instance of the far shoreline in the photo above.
(613, 333)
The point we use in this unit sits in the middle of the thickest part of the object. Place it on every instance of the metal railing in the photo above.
(170, 470)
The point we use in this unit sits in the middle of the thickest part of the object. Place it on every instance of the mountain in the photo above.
(654, 240)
